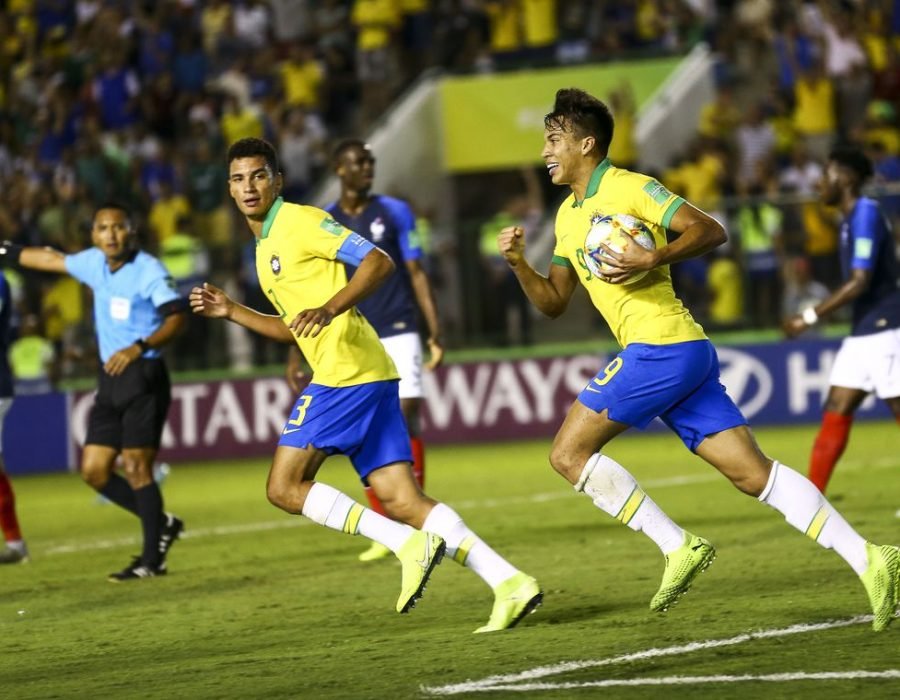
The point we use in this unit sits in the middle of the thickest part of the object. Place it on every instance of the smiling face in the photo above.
(253, 186)
(112, 233)
(565, 153)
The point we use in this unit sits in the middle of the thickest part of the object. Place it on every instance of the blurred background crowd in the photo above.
(137, 101)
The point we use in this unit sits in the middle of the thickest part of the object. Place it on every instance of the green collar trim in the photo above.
(270, 216)
(594, 182)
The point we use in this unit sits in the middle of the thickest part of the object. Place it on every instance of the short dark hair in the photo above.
(118, 206)
(584, 114)
(852, 158)
(253, 147)
(347, 145)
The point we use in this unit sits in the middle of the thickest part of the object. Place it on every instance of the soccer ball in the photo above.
(617, 231)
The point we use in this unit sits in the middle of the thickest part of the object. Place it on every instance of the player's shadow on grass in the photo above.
(562, 615)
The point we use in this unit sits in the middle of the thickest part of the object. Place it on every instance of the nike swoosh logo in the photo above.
(590, 388)
(697, 547)
(287, 431)
(424, 562)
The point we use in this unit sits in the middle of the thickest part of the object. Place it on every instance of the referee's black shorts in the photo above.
(130, 409)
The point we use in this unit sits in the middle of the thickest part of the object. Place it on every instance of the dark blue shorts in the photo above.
(363, 422)
(678, 383)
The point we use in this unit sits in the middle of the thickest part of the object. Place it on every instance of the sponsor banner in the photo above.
(774, 384)
(497, 122)
(35, 434)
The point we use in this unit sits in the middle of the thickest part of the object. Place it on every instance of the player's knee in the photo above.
(752, 481)
(94, 475)
(563, 463)
(276, 494)
(137, 471)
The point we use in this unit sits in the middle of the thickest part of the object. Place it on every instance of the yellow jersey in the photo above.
(646, 311)
(296, 260)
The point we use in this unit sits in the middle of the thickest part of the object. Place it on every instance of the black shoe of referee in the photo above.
(136, 570)
(170, 531)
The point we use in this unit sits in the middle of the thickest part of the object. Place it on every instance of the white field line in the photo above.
(697, 680)
(516, 681)
(225, 530)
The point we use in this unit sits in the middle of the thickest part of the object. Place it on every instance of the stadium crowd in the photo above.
(136, 102)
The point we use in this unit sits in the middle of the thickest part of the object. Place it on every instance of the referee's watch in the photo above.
(143, 345)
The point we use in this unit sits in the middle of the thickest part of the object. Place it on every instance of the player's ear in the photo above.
(587, 145)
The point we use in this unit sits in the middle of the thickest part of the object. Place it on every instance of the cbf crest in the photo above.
(275, 264)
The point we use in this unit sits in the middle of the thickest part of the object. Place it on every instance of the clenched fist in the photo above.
(511, 243)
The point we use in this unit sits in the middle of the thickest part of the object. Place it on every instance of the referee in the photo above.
(136, 312)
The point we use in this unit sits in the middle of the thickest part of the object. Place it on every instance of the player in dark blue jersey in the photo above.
(869, 358)
(393, 308)
(15, 551)
(136, 312)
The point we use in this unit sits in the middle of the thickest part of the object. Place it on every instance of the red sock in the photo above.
(828, 448)
(418, 467)
(9, 523)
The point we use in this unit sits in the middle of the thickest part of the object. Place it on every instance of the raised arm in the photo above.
(374, 269)
(550, 294)
(32, 257)
(212, 302)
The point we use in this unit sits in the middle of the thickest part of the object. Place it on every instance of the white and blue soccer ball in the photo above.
(617, 231)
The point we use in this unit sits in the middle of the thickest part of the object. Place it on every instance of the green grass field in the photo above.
(259, 604)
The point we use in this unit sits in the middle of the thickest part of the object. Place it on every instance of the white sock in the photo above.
(329, 507)
(804, 507)
(466, 547)
(17, 545)
(613, 490)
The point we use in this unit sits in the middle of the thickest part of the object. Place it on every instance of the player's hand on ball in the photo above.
(310, 322)
(619, 266)
(210, 301)
(511, 243)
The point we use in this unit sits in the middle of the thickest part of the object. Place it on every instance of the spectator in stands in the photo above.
(376, 22)
(720, 118)
(801, 291)
(815, 118)
(32, 359)
(541, 30)
(505, 26)
(755, 141)
(301, 151)
(759, 231)
(623, 149)
(206, 188)
(302, 77)
(166, 212)
(726, 291)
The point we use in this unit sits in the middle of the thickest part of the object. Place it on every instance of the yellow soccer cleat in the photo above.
(375, 552)
(682, 567)
(418, 556)
(513, 600)
(882, 582)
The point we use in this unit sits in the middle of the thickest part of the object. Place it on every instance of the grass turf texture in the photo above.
(262, 604)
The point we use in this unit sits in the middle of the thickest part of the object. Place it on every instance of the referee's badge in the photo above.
(275, 262)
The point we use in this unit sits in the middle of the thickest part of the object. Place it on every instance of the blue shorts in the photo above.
(363, 422)
(678, 383)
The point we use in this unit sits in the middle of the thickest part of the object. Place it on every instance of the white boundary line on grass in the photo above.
(697, 680)
(522, 680)
(224, 530)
